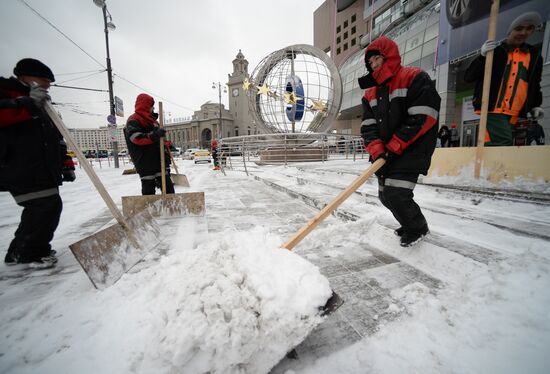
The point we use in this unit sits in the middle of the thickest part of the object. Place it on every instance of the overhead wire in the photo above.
(61, 32)
(153, 94)
(94, 59)
(84, 77)
(80, 72)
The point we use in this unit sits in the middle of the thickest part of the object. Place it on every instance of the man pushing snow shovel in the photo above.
(400, 123)
(33, 162)
(142, 134)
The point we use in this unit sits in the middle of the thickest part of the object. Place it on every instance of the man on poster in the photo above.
(515, 81)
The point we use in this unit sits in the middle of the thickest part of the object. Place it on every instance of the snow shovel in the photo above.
(177, 178)
(166, 205)
(334, 302)
(106, 255)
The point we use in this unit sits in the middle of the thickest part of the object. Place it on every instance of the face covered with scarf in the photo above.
(382, 59)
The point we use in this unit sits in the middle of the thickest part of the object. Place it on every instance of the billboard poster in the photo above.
(464, 24)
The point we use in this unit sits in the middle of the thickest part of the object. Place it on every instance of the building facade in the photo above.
(204, 125)
(97, 139)
(416, 26)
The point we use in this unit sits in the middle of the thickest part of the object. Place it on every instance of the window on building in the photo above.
(346, 35)
(338, 29)
(353, 18)
(236, 131)
(353, 30)
(338, 50)
(345, 24)
(345, 46)
(338, 40)
(353, 42)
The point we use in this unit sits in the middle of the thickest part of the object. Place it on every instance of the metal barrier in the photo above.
(281, 149)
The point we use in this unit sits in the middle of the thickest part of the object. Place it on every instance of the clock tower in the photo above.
(238, 99)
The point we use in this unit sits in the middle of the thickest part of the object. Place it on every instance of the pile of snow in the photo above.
(234, 304)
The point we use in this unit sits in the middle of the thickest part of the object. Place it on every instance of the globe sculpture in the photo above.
(296, 89)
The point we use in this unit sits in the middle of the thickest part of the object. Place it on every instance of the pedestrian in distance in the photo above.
(515, 80)
(406, 138)
(444, 136)
(214, 147)
(143, 133)
(455, 136)
(33, 162)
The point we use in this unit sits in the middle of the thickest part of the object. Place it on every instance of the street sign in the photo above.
(119, 106)
(111, 119)
(112, 132)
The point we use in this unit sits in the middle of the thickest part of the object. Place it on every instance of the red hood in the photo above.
(392, 59)
(143, 115)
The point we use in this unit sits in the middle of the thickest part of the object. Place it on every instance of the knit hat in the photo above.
(369, 53)
(529, 18)
(34, 68)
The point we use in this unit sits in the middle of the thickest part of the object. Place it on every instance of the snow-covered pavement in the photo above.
(472, 298)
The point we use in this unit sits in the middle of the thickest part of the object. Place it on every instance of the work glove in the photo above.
(156, 134)
(376, 149)
(489, 45)
(68, 174)
(537, 113)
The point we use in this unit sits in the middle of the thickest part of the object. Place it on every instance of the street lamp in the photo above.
(109, 25)
(219, 87)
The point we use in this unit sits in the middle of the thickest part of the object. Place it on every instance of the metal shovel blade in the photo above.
(170, 205)
(180, 180)
(106, 255)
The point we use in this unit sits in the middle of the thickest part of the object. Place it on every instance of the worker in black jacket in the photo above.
(400, 117)
(33, 162)
(515, 80)
(142, 134)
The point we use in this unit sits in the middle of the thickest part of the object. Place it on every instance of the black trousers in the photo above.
(39, 221)
(396, 193)
(148, 186)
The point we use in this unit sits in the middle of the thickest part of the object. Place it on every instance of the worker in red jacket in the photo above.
(33, 162)
(400, 123)
(142, 134)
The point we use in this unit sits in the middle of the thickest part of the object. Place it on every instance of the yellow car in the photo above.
(71, 153)
(201, 155)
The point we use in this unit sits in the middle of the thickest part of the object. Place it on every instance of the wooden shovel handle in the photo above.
(85, 164)
(173, 162)
(162, 162)
(486, 87)
(331, 207)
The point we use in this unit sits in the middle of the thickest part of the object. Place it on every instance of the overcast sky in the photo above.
(174, 49)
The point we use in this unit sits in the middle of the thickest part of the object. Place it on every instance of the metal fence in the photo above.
(281, 149)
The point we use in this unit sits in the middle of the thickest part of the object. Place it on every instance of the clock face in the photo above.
(235, 92)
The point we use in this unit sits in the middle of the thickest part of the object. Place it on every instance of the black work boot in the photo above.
(399, 232)
(412, 237)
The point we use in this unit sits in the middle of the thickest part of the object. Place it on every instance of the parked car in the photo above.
(188, 154)
(201, 155)
(176, 151)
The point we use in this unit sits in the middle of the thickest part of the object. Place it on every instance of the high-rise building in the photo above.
(435, 35)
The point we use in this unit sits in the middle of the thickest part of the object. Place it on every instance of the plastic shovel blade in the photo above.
(106, 255)
(170, 205)
(180, 180)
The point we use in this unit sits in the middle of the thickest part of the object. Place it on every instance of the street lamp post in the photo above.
(109, 25)
(219, 87)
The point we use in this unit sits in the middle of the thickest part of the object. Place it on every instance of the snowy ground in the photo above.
(219, 294)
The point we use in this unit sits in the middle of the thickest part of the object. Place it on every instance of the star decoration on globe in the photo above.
(290, 98)
(273, 94)
(317, 105)
(263, 89)
(246, 84)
